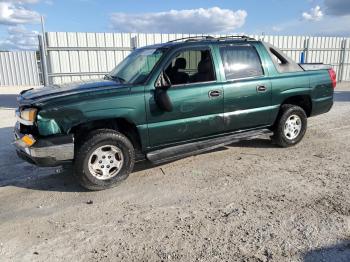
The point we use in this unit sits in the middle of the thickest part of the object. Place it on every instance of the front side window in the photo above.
(191, 66)
(136, 67)
(240, 61)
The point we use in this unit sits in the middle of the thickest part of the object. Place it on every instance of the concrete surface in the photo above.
(249, 201)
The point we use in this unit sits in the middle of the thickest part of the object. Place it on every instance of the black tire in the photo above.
(279, 136)
(94, 140)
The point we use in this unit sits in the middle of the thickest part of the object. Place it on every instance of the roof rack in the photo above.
(193, 38)
(209, 37)
(244, 37)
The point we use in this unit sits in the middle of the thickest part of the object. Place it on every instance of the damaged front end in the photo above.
(44, 119)
(39, 140)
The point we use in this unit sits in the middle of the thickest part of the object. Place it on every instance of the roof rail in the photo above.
(244, 37)
(209, 37)
(193, 38)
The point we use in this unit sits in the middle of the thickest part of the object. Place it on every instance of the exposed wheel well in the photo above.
(119, 124)
(304, 101)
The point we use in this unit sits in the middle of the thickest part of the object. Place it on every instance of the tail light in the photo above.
(333, 77)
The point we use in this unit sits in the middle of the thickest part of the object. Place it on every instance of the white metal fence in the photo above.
(19, 69)
(76, 56)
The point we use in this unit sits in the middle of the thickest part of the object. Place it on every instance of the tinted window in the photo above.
(191, 66)
(240, 61)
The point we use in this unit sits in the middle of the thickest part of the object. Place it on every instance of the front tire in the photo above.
(104, 160)
(291, 126)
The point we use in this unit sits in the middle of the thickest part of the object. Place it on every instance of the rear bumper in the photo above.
(322, 105)
(53, 151)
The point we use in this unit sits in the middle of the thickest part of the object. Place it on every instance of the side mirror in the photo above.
(161, 95)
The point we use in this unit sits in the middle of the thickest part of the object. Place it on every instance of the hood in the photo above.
(42, 94)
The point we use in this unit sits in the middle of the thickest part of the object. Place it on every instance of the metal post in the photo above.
(342, 60)
(43, 60)
(262, 37)
(43, 31)
(306, 50)
(133, 42)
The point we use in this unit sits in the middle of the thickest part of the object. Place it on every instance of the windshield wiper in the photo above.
(110, 77)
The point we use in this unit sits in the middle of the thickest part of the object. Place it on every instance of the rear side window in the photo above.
(282, 62)
(240, 61)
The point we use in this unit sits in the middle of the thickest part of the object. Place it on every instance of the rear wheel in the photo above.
(104, 159)
(290, 127)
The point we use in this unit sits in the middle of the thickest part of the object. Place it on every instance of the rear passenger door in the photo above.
(247, 90)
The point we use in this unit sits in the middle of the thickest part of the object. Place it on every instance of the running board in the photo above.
(190, 149)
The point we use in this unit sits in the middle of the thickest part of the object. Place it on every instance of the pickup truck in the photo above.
(168, 101)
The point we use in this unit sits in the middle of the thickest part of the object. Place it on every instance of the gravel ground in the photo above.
(250, 201)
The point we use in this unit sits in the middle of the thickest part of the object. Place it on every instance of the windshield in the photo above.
(137, 66)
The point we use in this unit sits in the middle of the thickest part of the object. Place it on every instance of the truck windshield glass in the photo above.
(137, 66)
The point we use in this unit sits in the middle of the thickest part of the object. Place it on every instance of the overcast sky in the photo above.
(19, 19)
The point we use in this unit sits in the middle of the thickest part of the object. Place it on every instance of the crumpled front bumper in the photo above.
(51, 151)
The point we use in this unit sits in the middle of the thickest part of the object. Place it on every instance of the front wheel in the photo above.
(290, 127)
(104, 159)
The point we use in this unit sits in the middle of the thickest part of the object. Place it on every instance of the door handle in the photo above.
(261, 88)
(214, 93)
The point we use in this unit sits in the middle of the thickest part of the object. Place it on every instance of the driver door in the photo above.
(196, 97)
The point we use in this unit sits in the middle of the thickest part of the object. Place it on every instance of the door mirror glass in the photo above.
(160, 93)
(162, 99)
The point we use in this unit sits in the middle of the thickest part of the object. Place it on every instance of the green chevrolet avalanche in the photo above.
(168, 101)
